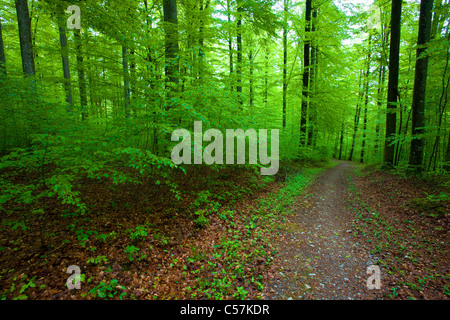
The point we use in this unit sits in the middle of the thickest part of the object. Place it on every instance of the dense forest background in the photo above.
(137, 70)
(95, 104)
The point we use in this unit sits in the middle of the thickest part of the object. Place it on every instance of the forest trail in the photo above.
(317, 256)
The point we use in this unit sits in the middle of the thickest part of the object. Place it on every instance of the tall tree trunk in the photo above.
(391, 114)
(381, 80)
(151, 64)
(285, 25)
(126, 81)
(341, 139)
(380, 91)
(81, 75)
(230, 42)
(305, 82)
(239, 54)
(26, 48)
(447, 154)
(65, 62)
(250, 58)
(366, 101)
(2, 53)
(441, 106)
(435, 30)
(133, 86)
(312, 111)
(201, 51)
(420, 84)
(266, 75)
(171, 45)
(357, 116)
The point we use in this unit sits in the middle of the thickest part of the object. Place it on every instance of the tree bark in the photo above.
(341, 139)
(250, 58)
(126, 81)
(2, 54)
(230, 42)
(312, 112)
(366, 101)
(26, 48)
(357, 116)
(391, 115)
(447, 154)
(266, 75)
(285, 25)
(171, 44)
(420, 84)
(65, 62)
(305, 79)
(81, 75)
(239, 55)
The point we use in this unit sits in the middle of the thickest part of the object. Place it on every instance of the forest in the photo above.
(330, 157)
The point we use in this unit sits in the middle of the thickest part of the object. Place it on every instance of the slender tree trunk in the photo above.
(230, 42)
(126, 81)
(312, 111)
(380, 90)
(250, 58)
(357, 116)
(366, 100)
(65, 62)
(447, 154)
(151, 64)
(436, 20)
(305, 82)
(239, 54)
(391, 114)
(26, 48)
(2, 54)
(285, 25)
(381, 80)
(441, 106)
(355, 130)
(171, 45)
(420, 83)
(133, 87)
(81, 76)
(201, 39)
(341, 139)
(266, 75)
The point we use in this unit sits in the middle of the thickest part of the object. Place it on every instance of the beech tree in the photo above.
(420, 85)
(26, 49)
(392, 98)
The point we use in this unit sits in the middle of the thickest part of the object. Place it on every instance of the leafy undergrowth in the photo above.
(210, 240)
(405, 223)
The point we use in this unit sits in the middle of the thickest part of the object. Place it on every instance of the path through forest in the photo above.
(318, 258)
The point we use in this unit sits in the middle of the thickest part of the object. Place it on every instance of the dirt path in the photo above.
(318, 258)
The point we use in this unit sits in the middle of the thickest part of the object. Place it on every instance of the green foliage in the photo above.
(131, 252)
(105, 290)
(240, 293)
(139, 234)
(97, 260)
(201, 221)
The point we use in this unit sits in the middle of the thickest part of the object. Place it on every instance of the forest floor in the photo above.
(307, 233)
